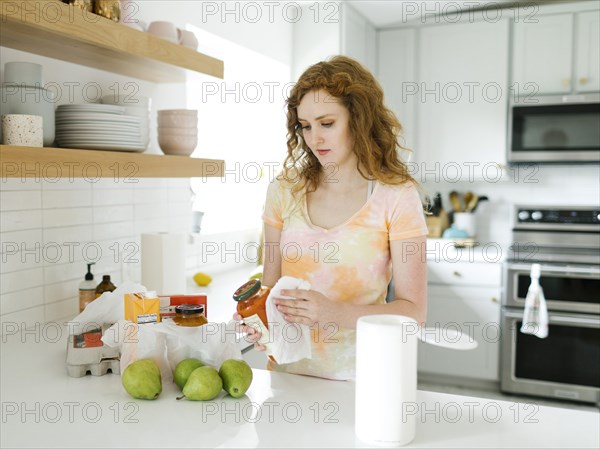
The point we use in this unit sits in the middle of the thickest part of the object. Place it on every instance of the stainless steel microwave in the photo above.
(561, 128)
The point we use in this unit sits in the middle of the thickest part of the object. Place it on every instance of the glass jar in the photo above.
(251, 302)
(190, 315)
(105, 286)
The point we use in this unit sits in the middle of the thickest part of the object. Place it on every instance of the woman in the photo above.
(345, 215)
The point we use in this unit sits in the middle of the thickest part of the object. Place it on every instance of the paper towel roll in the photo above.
(163, 262)
(386, 379)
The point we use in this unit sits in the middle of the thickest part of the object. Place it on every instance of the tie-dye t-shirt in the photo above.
(349, 262)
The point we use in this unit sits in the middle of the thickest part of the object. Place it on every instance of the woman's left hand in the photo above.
(310, 307)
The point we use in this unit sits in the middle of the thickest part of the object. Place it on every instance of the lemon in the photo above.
(202, 279)
(257, 273)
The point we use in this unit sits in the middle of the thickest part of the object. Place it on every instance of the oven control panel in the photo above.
(558, 216)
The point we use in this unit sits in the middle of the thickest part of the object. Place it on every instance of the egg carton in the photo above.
(86, 353)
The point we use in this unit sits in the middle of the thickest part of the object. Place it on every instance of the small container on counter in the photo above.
(87, 289)
(105, 286)
(190, 315)
(251, 305)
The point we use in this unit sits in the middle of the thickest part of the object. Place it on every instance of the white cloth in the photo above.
(288, 342)
(535, 316)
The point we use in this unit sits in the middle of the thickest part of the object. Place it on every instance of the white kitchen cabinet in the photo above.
(543, 54)
(340, 29)
(474, 309)
(587, 69)
(396, 72)
(462, 100)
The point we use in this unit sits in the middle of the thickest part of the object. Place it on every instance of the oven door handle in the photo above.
(568, 270)
(559, 319)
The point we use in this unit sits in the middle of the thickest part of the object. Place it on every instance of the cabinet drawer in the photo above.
(464, 273)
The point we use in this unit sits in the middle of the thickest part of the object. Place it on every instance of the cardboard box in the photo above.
(169, 302)
(142, 308)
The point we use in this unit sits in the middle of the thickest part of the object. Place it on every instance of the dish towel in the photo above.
(288, 342)
(535, 317)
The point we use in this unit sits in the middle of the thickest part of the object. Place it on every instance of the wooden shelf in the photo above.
(57, 30)
(52, 163)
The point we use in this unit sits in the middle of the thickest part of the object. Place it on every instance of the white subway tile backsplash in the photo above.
(152, 183)
(179, 183)
(20, 200)
(22, 299)
(19, 220)
(183, 208)
(112, 183)
(15, 260)
(151, 226)
(64, 272)
(66, 198)
(112, 231)
(112, 214)
(62, 311)
(67, 183)
(69, 235)
(66, 289)
(12, 323)
(7, 184)
(150, 211)
(145, 196)
(67, 217)
(21, 280)
(28, 241)
(111, 197)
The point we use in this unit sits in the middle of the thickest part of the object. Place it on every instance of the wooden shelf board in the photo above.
(51, 163)
(54, 29)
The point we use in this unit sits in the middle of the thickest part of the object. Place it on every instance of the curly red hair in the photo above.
(373, 127)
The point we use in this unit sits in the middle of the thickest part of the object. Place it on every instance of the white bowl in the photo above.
(165, 112)
(177, 121)
(177, 131)
(139, 101)
(177, 145)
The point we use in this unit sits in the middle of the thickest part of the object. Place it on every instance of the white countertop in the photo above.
(445, 250)
(43, 407)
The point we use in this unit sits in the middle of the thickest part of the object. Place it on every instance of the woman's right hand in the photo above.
(252, 335)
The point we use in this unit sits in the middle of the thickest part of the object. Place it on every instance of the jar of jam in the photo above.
(190, 315)
(251, 305)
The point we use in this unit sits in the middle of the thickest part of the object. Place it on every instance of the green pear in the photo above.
(184, 369)
(204, 384)
(237, 377)
(142, 379)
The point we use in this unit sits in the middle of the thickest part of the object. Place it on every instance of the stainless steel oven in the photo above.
(562, 128)
(565, 241)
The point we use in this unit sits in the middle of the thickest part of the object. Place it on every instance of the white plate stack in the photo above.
(136, 105)
(99, 127)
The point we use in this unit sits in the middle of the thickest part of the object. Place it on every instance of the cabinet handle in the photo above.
(457, 274)
(566, 82)
(583, 81)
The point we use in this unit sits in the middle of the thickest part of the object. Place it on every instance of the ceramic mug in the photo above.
(466, 222)
(164, 30)
(23, 130)
(187, 39)
(23, 73)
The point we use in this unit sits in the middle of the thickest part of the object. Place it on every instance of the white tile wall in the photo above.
(49, 230)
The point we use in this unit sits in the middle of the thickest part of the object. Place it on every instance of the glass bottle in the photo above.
(190, 315)
(251, 305)
(105, 286)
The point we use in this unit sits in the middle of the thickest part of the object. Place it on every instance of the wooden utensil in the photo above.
(455, 201)
(471, 202)
(467, 199)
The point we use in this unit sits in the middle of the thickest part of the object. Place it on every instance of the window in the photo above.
(241, 119)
